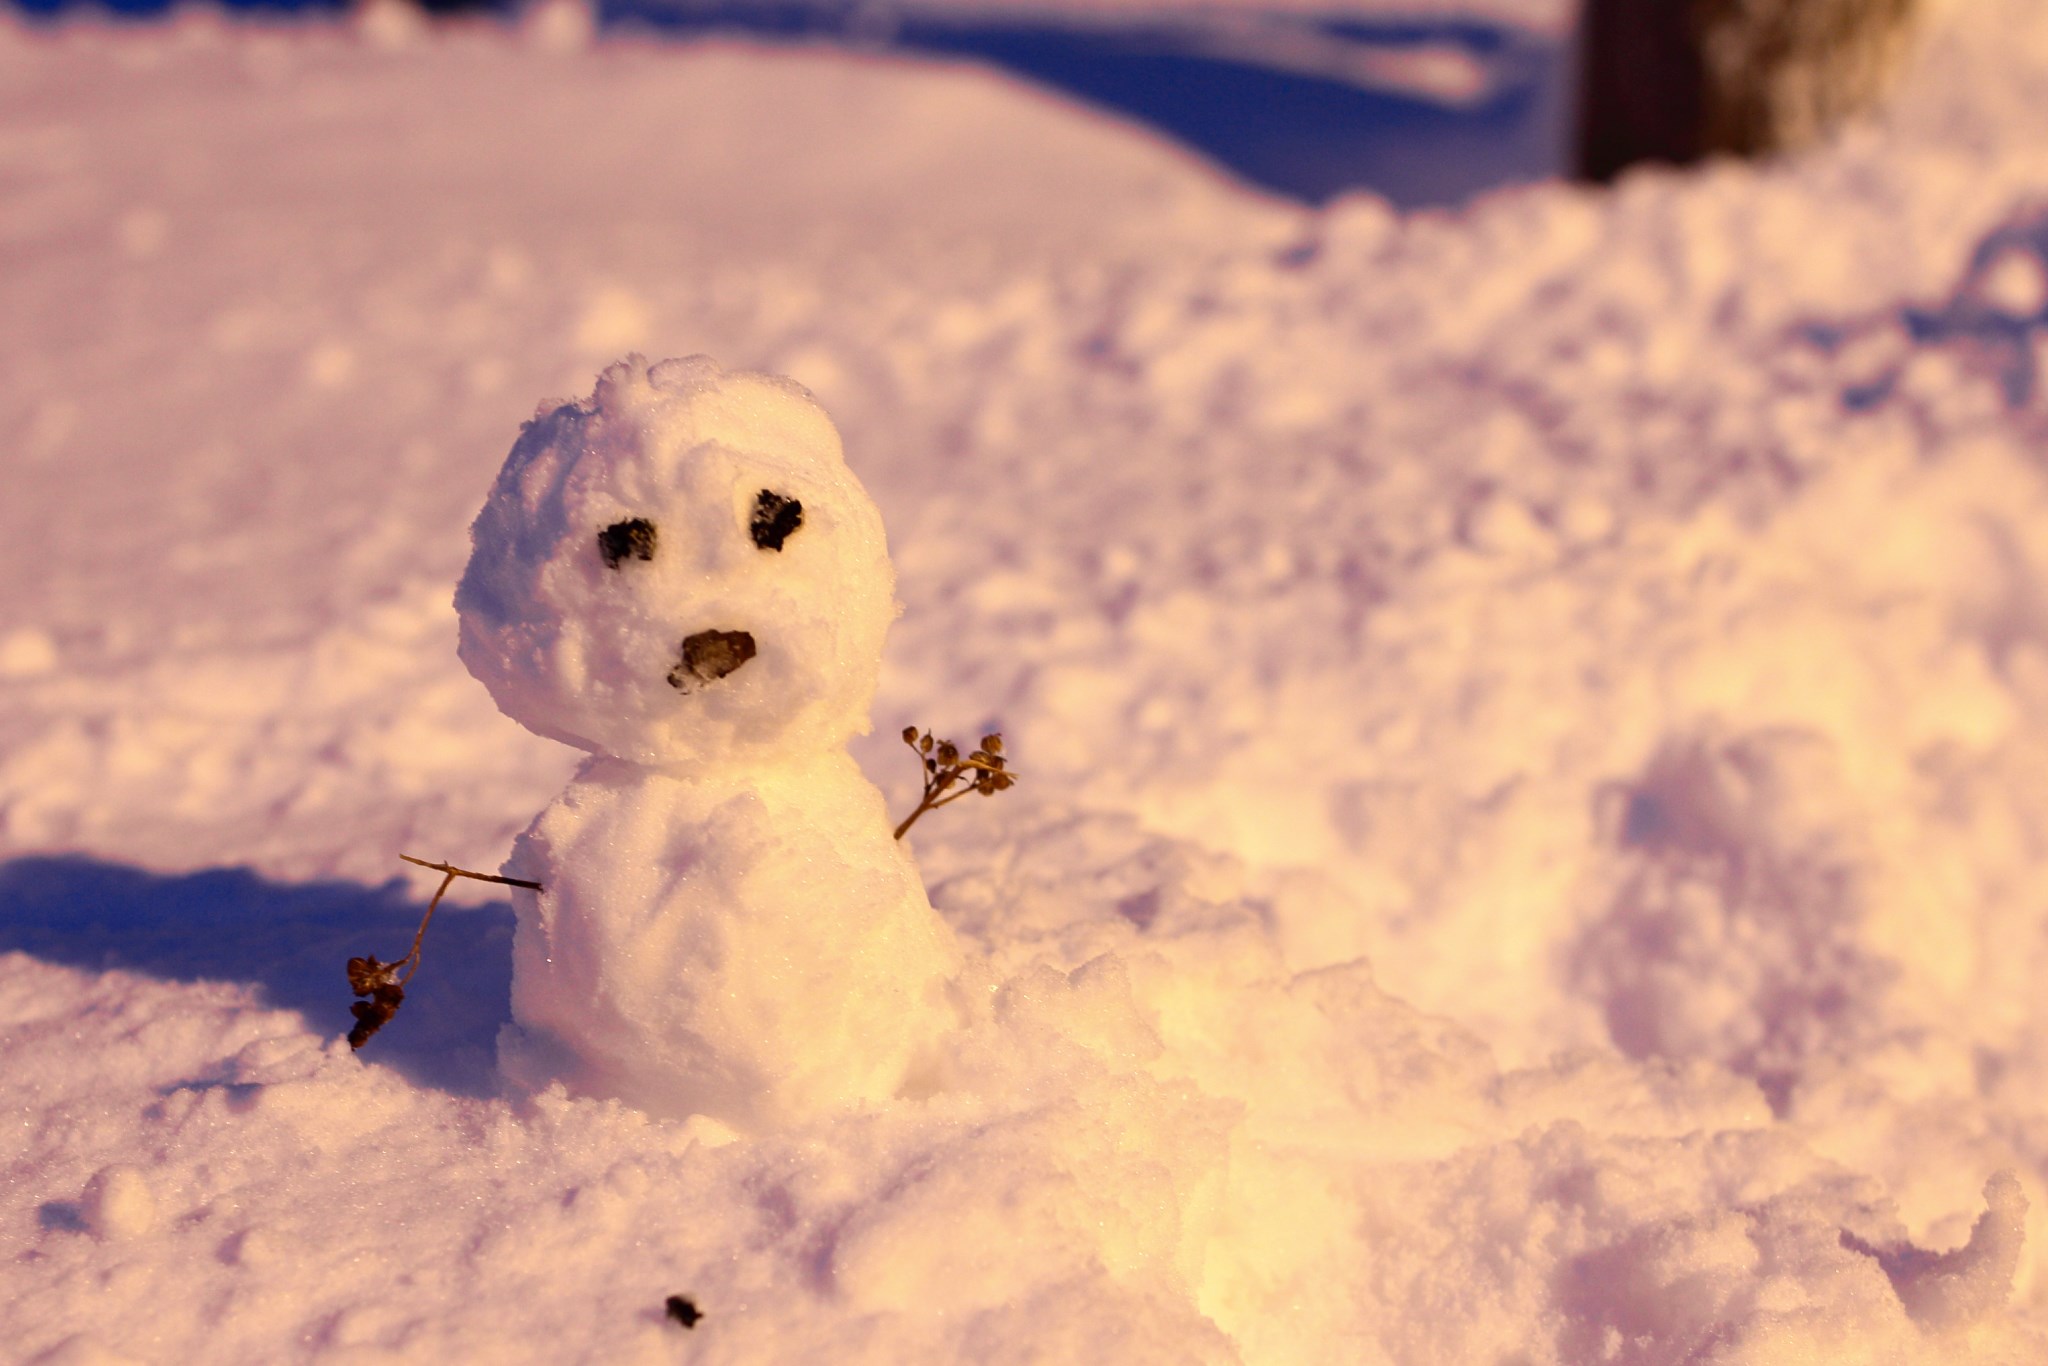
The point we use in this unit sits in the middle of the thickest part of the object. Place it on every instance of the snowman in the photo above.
(681, 576)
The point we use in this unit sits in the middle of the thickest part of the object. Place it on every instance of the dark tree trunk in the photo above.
(1642, 86)
(1679, 80)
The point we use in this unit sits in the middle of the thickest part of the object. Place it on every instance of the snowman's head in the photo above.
(681, 571)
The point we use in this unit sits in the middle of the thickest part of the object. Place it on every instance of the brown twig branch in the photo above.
(945, 768)
(464, 872)
(382, 982)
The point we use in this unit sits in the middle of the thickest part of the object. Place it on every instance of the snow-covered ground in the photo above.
(1548, 15)
(1619, 620)
(1424, 102)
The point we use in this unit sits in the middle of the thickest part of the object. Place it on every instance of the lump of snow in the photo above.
(1950, 1289)
(118, 1204)
(26, 652)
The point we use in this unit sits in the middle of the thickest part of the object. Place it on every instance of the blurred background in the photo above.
(1422, 101)
(1425, 102)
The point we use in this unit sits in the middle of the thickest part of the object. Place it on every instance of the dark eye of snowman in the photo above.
(775, 519)
(629, 540)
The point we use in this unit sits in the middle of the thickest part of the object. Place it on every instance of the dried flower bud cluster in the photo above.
(949, 776)
(371, 976)
(378, 980)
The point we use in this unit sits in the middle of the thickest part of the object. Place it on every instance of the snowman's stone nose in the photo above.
(709, 656)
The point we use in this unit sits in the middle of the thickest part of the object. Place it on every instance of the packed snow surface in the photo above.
(1530, 844)
(1552, 16)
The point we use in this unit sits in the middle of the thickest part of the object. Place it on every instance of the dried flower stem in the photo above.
(380, 981)
(413, 958)
(945, 767)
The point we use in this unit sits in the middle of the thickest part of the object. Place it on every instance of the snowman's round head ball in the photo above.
(680, 570)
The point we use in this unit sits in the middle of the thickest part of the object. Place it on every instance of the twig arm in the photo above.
(454, 872)
(384, 983)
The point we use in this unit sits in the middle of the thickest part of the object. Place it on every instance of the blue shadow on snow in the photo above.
(1999, 335)
(1296, 136)
(290, 940)
(1270, 122)
(1267, 103)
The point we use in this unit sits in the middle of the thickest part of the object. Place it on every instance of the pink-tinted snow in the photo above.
(1532, 836)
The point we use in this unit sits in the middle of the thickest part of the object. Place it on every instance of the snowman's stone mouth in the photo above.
(709, 656)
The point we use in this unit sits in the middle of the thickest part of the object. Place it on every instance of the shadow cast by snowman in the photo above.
(289, 940)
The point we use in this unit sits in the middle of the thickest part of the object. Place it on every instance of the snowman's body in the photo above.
(681, 576)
